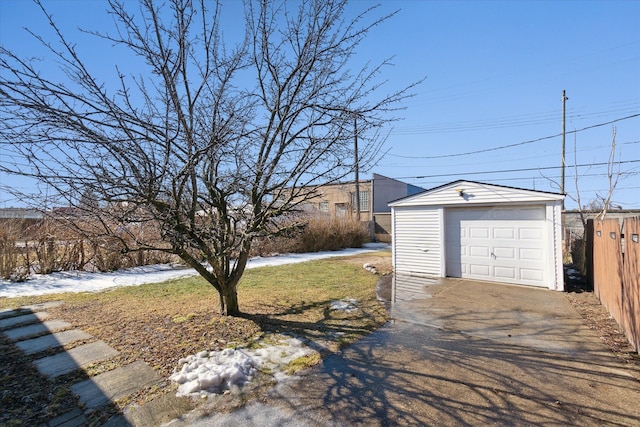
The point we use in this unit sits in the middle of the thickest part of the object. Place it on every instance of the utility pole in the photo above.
(355, 143)
(564, 100)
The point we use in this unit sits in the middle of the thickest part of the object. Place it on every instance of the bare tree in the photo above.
(211, 142)
(613, 176)
(600, 203)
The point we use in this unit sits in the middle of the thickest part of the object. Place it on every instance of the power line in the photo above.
(503, 122)
(486, 150)
(517, 170)
(546, 177)
(403, 165)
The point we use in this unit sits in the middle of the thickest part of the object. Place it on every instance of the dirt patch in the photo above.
(598, 319)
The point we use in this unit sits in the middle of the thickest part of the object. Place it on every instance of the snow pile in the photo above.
(370, 268)
(214, 372)
(344, 305)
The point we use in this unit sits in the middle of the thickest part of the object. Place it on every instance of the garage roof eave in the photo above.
(463, 192)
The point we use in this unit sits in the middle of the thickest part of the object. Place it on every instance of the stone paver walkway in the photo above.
(56, 339)
(77, 357)
(33, 331)
(113, 385)
(36, 329)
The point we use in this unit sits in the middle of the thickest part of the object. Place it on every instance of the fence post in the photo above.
(631, 278)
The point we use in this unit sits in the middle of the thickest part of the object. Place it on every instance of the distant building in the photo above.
(20, 213)
(17, 220)
(339, 201)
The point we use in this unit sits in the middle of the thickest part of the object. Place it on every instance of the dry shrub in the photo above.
(122, 250)
(57, 248)
(76, 243)
(314, 235)
(333, 234)
(11, 267)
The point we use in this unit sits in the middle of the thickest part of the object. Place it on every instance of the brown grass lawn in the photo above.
(161, 323)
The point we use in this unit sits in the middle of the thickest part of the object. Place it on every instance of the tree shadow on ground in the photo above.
(29, 397)
(457, 362)
(411, 375)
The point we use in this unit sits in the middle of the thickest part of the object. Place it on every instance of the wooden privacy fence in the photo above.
(615, 272)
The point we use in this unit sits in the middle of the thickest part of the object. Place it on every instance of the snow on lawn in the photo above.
(348, 305)
(208, 373)
(205, 373)
(81, 281)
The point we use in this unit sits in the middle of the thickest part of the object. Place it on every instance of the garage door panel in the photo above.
(479, 251)
(507, 252)
(481, 270)
(527, 254)
(478, 232)
(531, 275)
(531, 233)
(505, 245)
(504, 233)
(521, 213)
(505, 273)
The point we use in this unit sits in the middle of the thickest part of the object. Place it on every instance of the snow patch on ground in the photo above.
(208, 373)
(348, 305)
(213, 372)
(82, 281)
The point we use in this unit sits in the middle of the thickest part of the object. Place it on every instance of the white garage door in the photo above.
(497, 244)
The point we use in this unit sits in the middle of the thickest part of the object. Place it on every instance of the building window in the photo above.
(341, 210)
(364, 200)
(323, 207)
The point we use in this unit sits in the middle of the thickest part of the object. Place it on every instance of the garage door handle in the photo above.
(424, 250)
(493, 255)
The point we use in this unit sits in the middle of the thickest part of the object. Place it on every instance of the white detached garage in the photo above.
(480, 231)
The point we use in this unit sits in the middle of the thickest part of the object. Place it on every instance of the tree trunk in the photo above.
(229, 301)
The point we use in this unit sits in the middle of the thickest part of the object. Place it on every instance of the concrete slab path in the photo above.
(74, 418)
(11, 322)
(56, 339)
(113, 385)
(98, 391)
(76, 358)
(36, 329)
(157, 412)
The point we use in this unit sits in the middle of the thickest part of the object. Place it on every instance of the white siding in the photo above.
(417, 247)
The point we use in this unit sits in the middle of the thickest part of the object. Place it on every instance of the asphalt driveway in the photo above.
(461, 352)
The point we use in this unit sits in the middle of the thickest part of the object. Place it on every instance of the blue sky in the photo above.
(495, 72)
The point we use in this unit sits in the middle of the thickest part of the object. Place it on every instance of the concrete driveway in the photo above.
(461, 352)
